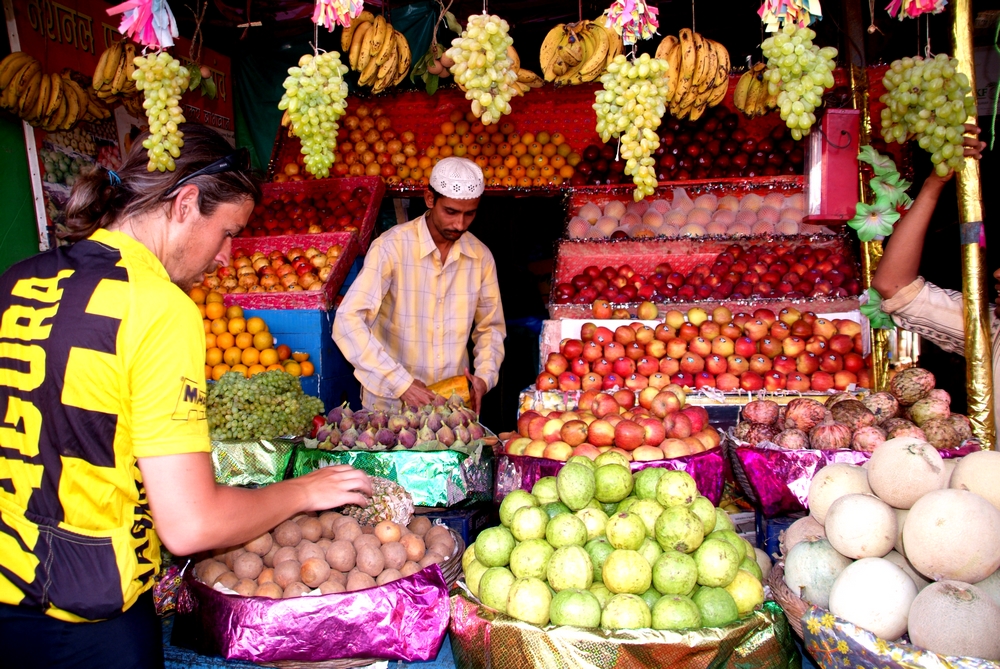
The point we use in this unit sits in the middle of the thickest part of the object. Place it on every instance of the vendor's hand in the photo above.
(331, 487)
(478, 390)
(972, 147)
(417, 394)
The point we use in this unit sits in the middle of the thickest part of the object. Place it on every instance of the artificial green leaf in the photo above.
(432, 83)
(209, 89)
(452, 22)
(872, 310)
(195, 81)
(880, 163)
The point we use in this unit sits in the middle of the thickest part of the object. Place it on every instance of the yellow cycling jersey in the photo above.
(101, 363)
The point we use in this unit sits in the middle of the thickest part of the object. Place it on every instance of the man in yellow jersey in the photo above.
(426, 286)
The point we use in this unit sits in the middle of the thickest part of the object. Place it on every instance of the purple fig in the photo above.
(378, 420)
(407, 438)
(462, 434)
(385, 437)
(366, 440)
(347, 423)
(476, 431)
(323, 433)
(412, 418)
(440, 400)
(361, 418)
(434, 422)
(446, 436)
(456, 402)
(397, 422)
(425, 434)
(335, 415)
(334, 437)
(454, 420)
(349, 437)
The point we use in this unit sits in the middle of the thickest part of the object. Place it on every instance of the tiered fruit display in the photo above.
(275, 272)
(162, 79)
(50, 101)
(655, 427)
(682, 216)
(377, 50)
(907, 544)
(698, 71)
(483, 68)
(61, 168)
(262, 406)
(445, 424)
(575, 53)
(300, 213)
(234, 343)
(861, 423)
(630, 107)
(597, 546)
(331, 553)
(791, 351)
(752, 95)
(928, 100)
(798, 72)
(781, 271)
(369, 146)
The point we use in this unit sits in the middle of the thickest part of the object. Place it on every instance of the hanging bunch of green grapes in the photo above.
(483, 68)
(798, 72)
(315, 98)
(162, 79)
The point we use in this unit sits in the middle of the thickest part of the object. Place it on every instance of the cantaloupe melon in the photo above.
(949, 466)
(903, 469)
(763, 561)
(979, 472)
(811, 568)
(900, 519)
(803, 528)
(991, 586)
(953, 534)
(904, 564)
(861, 526)
(955, 618)
(832, 482)
(875, 595)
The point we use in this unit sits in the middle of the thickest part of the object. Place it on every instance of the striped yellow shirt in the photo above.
(408, 315)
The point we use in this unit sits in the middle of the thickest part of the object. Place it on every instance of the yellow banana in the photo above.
(72, 112)
(387, 70)
(28, 95)
(357, 43)
(118, 83)
(376, 39)
(668, 43)
(111, 64)
(529, 78)
(368, 74)
(55, 95)
(755, 91)
(572, 49)
(740, 94)
(673, 73)
(598, 61)
(515, 59)
(722, 76)
(22, 78)
(687, 62)
(348, 32)
(10, 65)
(405, 57)
(710, 68)
(549, 50)
(44, 89)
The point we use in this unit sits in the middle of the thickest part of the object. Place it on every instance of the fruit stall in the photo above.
(714, 456)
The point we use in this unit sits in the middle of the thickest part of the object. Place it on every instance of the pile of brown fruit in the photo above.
(330, 552)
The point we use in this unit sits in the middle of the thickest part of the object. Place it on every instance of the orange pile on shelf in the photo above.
(234, 343)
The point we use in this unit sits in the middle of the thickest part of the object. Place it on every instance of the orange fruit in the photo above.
(307, 368)
(474, 150)
(423, 162)
(235, 311)
(255, 325)
(550, 150)
(534, 148)
(284, 352)
(538, 181)
(460, 150)
(213, 297)
(532, 172)
(225, 340)
(510, 162)
(299, 356)
(518, 172)
(263, 340)
(237, 325)
(447, 128)
(413, 161)
(526, 160)
(504, 149)
(198, 295)
(244, 340)
(242, 369)
(219, 370)
(250, 356)
(524, 182)
(208, 325)
(232, 356)
(214, 310)
(208, 371)
(201, 310)
(509, 181)
(219, 325)
(513, 138)
(431, 152)
(256, 369)
(519, 149)
(489, 149)
(209, 340)
(495, 160)
(445, 151)
(557, 138)
(543, 137)
(293, 368)
(528, 138)
(566, 171)
(500, 172)
(275, 367)
(268, 357)
(557, 161)
(548, 171)
(440, 140)
(564, 150)
(541, 161)
(213, 356)
(454, 139)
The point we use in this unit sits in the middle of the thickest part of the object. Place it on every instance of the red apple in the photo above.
(737, 365)
(613, 350)
(853, 362)
(647, 454)
(574, 432)
(766, 315)
(523, 420)
(591, 381)
(821, 381)
(824, 327)
(806, 362)
(817, 344)
(604, 405)
(655, 432)
(710, 330)
(664, 332)
(675, 448)
(751, 381)
(603, 335)
(789, 315)
(716, 364)
(770, 347)
(783, 364)
(797, 382)
(676, 348)
(793, 346)
(843, 379)
(756, 329)
(774, 381)
(601, 309)
(848, 327)
(623, 367)
(664, 403)
(635, 350)
(727, 382)
(536, 449)
(704, 380)
(636, 382)
(569, 381)
(516, 446)
(692, 363)
(723, 346)
(780, 331)
(682, 379)
(659, 380)
(624, 335)
(629, 435)
(587, 450)
(697, 416)
(669, 366)
(680, 426)
(592, 351)
(536, 426)
(644, 335)
(556, 364)
(745, 347)
(700, 346)
(760, 363)
(647, 365)
(625, 398)
(646, 396)
(831, 362)
(601, 433)
(552, 430)
(587, 331)
(731, 331)
(864, 378)
(688, 331)
(546, 381)
(841, 343)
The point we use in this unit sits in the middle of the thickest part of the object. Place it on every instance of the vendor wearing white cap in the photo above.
(425, 287)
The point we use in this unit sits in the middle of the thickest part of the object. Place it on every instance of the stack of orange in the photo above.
(508, 159)
(237, 344)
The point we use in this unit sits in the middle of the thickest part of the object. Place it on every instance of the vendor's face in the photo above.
(447, 218)
(208, 243)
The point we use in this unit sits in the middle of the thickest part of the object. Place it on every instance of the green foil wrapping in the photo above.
(433, 478)
(482, 638)
(252, 463)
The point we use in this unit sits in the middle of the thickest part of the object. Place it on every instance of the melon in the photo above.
(903, 469)
(953, 534)
(904, 564)
(875, 595)
(802, 529)
(900, 519)
(861, 526)
(832, 482)
(991, 586)
(979, 472)
(955, 619)
(949, 466)
(811, 568)
(764, 562)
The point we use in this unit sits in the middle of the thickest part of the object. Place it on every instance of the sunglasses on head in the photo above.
(237, 161)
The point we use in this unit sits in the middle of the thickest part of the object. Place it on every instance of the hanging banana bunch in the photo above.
(751, 96)
(48, 100)
(698, 68)
(576, 53)
(377, 50)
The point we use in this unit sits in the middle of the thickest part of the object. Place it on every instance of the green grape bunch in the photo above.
(265, 406)
(630, 106)
(315, 98)
(483, 68)
(798, 72)
(930, 101)
(162, 79)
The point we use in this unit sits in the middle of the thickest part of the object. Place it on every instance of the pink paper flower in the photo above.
(148, 22)
(913, 8)
(633, 20)
(329, 13)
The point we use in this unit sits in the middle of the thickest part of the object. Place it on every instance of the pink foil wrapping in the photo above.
(521, 472)
(780, 478)
(403, 620)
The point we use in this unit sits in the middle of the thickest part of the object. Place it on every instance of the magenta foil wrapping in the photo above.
(780, 478)
(403, 620)
(521, 472)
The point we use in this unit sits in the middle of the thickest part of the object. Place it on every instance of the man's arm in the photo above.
(489, 331)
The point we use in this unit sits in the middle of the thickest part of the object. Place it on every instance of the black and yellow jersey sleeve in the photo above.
(101, 363)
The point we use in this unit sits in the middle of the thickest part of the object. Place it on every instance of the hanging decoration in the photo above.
(330, 13)
(634, 20)
(871, 308)
(148, 22)
(911, 9)
(875, 220)
(777, 13)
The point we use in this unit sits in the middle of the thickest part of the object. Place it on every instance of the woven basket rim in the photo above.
(794, 606)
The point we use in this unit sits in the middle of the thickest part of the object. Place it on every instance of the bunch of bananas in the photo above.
(751, 96)
(46, 100)
(575, 53)
(377, 50)
(113, 74)
(526, 79)
(698, 69)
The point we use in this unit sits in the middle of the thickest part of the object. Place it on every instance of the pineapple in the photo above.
(389, 501)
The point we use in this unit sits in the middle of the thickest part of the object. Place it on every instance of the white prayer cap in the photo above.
(457, 178)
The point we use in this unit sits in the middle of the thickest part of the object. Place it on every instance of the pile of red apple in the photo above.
(289, 213)
(274, 272)
(651, 426)
(761, 351)
(782, 271)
